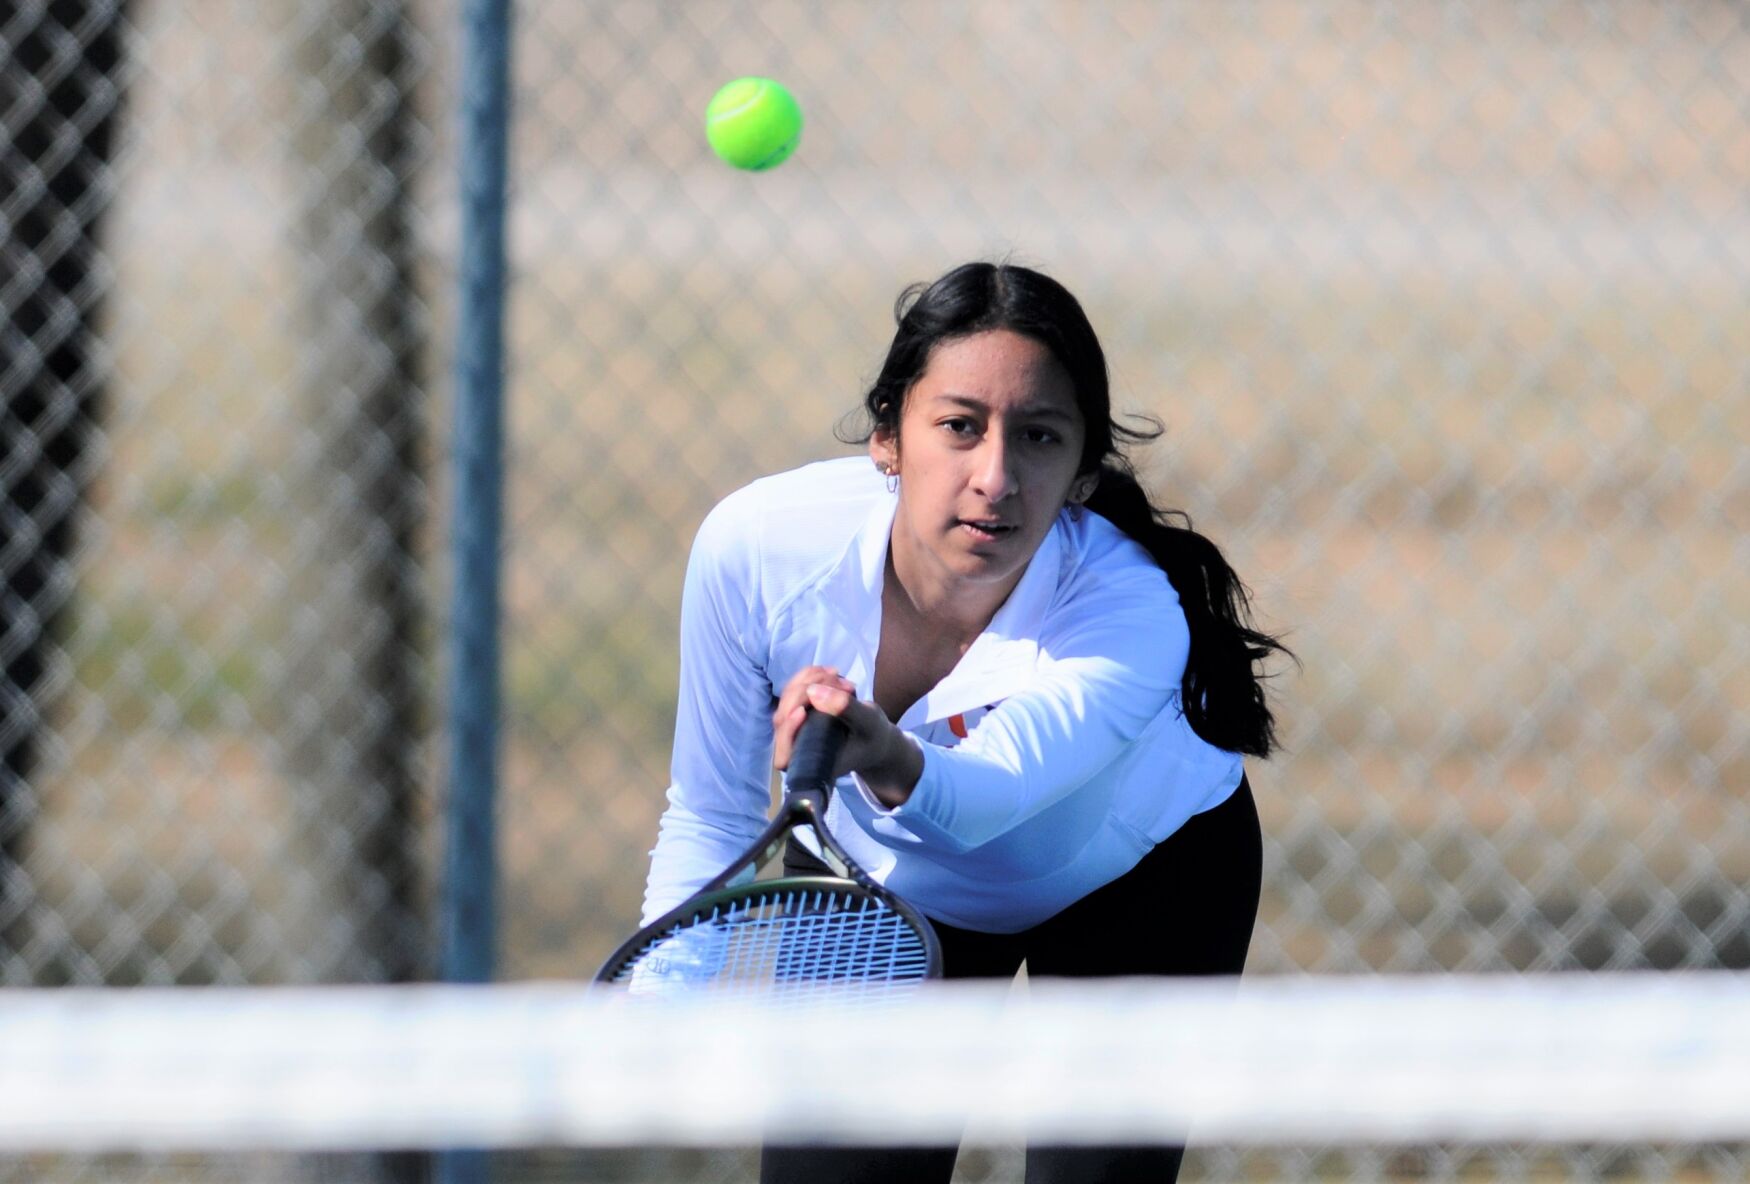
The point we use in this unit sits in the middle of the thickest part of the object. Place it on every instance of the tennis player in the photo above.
(1049, 683)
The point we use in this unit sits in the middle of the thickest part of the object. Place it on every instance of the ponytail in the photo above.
(1223, 691)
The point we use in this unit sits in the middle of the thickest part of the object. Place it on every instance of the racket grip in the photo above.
(818, 743)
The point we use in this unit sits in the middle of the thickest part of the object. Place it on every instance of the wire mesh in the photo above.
(216, 675)
(817, 944)
(1442, 308)
(1443, 305)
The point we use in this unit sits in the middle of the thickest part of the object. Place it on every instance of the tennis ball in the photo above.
(753, 123)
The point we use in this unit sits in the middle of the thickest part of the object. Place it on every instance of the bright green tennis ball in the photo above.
(753, 123)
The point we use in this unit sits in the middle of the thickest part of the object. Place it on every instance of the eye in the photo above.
(1041, 435)
(959, 425)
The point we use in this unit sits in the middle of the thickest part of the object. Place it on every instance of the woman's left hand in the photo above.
(888, 762)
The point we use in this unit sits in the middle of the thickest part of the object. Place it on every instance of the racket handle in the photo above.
(818, 743)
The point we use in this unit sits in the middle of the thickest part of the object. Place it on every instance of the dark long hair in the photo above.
(1223, 687)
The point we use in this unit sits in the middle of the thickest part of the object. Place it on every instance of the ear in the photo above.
(1082, 488)
(884, 450)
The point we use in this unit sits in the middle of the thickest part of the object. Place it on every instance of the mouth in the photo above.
(986, 529)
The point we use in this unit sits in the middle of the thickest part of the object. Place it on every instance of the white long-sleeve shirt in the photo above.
(1055, 752)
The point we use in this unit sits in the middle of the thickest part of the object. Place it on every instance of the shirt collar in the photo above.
(996, 662)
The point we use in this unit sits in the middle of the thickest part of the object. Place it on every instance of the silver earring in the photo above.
(1075, 511)
(892, 479)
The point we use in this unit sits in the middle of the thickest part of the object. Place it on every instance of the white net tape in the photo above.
(1566, 1058)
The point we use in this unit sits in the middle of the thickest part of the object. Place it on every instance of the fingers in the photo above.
(795, 692)
(798, 695)
(832, 700)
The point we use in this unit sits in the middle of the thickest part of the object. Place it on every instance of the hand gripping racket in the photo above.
(811, 938)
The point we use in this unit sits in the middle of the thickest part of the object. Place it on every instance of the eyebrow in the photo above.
(1037, 411)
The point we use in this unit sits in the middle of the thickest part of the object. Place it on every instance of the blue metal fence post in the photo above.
(468, 918)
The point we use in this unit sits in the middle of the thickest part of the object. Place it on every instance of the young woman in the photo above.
(1049, 683)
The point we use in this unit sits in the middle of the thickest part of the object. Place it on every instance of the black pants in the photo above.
(1186, 909)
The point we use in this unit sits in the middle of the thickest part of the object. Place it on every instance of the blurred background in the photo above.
(1445, 307)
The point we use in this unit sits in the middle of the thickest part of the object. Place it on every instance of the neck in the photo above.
(935, 601)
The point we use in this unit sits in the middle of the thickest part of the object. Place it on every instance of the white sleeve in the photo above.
(720, 772)
(1105, 674)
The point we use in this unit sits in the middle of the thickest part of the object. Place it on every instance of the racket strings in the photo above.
(818, 944)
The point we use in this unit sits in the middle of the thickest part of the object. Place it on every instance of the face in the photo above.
(988, 444)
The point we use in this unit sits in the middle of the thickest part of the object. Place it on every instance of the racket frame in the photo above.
(804, 805)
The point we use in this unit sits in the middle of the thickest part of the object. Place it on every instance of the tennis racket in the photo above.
(834, 938)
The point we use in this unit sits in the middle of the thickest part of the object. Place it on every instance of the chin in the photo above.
(987, 568)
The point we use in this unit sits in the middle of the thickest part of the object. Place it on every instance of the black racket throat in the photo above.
(808, 783)
(801, 807)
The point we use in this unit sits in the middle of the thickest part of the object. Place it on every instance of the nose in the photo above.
(994, 477)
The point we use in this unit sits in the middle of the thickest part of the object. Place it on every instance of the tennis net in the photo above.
(1601, 1065)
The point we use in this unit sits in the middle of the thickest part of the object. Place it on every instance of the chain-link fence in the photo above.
(1445, 307)
(213, 476)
